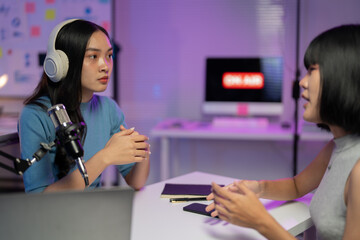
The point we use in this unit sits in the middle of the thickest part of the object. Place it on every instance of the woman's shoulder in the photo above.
(38, 108)
(355, 172)
(34, 120)
(354, 183)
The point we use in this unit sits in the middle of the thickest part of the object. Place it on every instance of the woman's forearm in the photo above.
(138, 175)
(272, 230)
(74, 181)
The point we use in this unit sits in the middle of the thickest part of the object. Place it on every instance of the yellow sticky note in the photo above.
(50, 14)
(1, 52)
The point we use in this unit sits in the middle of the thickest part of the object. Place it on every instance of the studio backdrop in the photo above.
(24, 30)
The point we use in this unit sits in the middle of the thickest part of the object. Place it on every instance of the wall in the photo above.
(164, 44)
(24, 31)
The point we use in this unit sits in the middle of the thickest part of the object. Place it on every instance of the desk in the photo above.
(157, 218)
(175, 129)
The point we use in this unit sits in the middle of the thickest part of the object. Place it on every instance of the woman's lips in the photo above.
(306, 100)
(104, 79)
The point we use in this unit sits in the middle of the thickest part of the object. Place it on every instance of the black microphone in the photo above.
(69, 136)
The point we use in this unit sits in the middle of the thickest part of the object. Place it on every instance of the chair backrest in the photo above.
(9, 145)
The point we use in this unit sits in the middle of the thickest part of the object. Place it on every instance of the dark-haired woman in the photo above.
(331, 89)
(105, 140)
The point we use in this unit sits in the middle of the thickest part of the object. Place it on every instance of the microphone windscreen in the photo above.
(59, 116)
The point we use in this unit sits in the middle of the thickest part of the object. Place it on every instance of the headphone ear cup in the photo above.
(64, 64)
(56, 65)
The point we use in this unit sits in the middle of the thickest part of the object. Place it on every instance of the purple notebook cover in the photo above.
(186, 189)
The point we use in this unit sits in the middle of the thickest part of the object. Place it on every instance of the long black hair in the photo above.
(337, 52)
(72, 39)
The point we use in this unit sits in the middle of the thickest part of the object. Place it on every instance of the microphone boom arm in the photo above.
(21, 165)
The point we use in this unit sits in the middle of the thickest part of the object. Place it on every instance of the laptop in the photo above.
(96, 214)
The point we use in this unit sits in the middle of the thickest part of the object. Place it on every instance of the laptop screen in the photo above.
(96, 214)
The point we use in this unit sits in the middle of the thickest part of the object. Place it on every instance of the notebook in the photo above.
(185, 190)
(96, 214)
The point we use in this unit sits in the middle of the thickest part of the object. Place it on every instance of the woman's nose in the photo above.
(104, 65)
(303, 82)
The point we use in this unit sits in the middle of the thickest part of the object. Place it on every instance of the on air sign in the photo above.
(243, 80)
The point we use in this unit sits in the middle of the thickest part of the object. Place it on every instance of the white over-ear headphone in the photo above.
(56, 63)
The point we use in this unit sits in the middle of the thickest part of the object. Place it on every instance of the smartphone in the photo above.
(198, 208)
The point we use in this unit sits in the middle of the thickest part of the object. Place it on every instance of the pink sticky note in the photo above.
(35, 31)
(106, 25)
(242, 109)
(30, 7)
(50, 1)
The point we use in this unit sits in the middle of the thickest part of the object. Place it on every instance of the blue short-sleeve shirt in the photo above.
(103, 118)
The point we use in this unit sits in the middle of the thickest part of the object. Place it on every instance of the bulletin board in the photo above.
(24, 30)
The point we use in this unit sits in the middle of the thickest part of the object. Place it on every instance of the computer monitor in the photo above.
(244, 86)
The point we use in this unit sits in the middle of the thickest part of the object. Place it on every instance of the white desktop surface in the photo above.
(157, 218)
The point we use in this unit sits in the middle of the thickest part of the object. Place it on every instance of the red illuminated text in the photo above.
(243, 80)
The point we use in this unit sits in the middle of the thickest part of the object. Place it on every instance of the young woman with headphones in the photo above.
(77, 65)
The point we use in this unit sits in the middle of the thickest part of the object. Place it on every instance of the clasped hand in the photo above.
(237, 203)
(126, 146)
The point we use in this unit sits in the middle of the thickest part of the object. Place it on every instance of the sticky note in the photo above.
(29, 7)
(106, 25)
(35, 31)
(50, 14)
(1, 52)
(50, 1)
